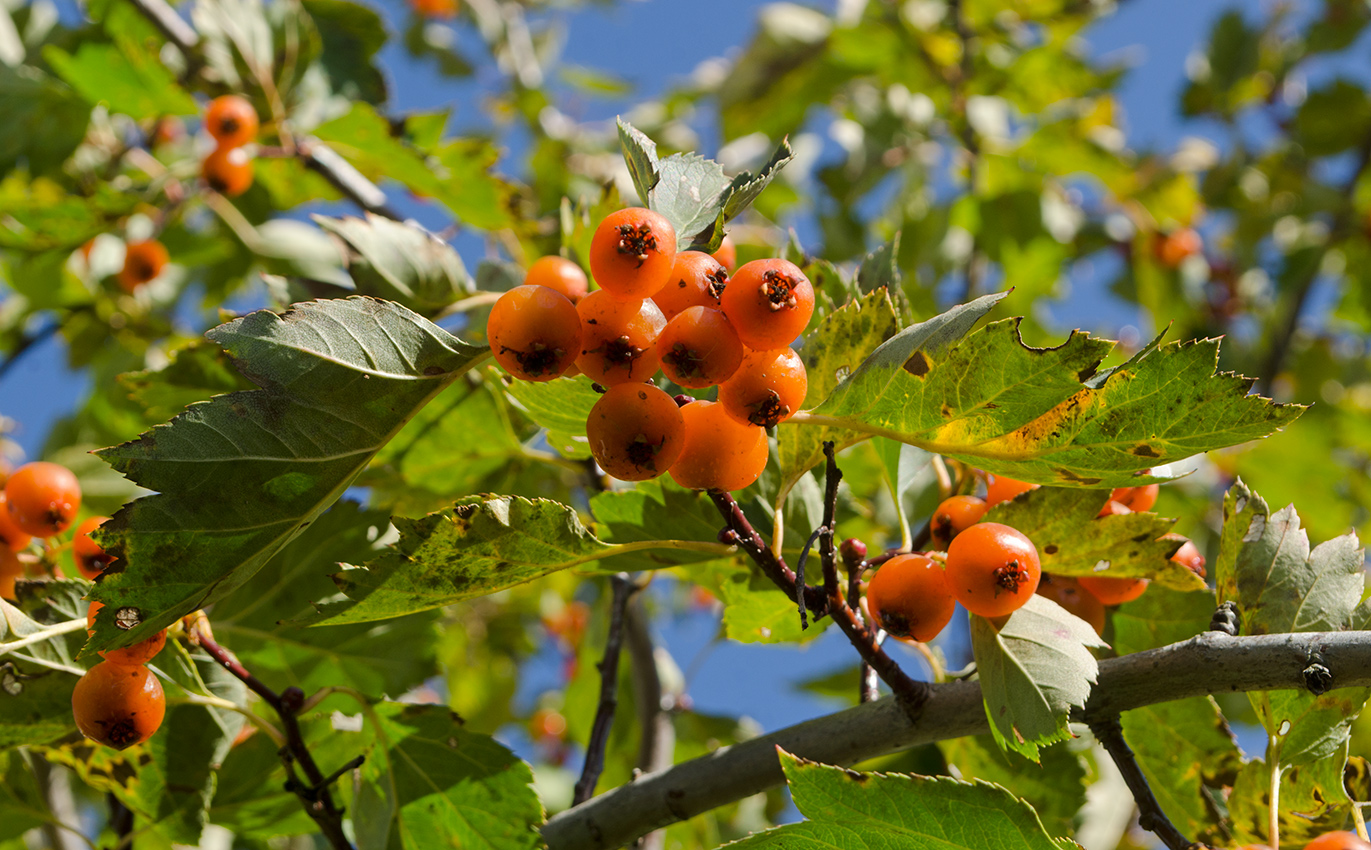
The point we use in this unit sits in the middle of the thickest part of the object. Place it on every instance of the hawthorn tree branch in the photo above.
(622, 588)
(739, 532)
(1209, 663)
(1109, 732)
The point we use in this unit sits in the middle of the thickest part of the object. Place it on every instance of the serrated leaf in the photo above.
(746, 186)
(830, 353)
(16, 625)
(849, 809)
(435, 784)
(1188, 755)
(125, 80)
(1312, 802)
(1160, 617)
(1033, 671)
(562, 405)
(197, 371)
(477, 547)
(1055, 788)
(352, 34)
(1073, 541)
(339, 378)
(640, 154)
(400, 261)
(756, 611)
(655, 510)
(1035, 414)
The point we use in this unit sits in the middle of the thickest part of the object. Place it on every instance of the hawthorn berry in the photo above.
(1136, 498)
(231, 120)
(954, 515)
(534, 333)
(42, 498)
(768, 387)
(560, 274)
(569, 625)
(1188, 555)
(143, 261)
(992, 569)
(632, 253)
(769, 302)
(1067, 592)
(1173, 248)
(1001, 488)
(697, 280)
(1340, 840)
(720, 453)
(118, 706)
(11, 535)
(909, 598)
(90, 559)
(435, 8)
(699, 348)
(618, 338)
(727, 255)
(11, 570)
(128, 656)
(636, 431)
(227, 171)
(547, 724)
(1114, 591)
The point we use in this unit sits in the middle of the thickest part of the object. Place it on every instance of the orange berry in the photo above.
(632, 253)
(569, 624)
(118, 706)
(953, 516)
(618, 338)
(1188, 555)
(168, 130)
(435, 8)
(128, 656)
(143, 261)
(90, 559)
(909, 598)
(769, 302)
(1136, 498)
(560, 274)
(1067, 592)
(1173, 248)
(720, 453)
(11, 535)
(547, 725)
(1113, 508)
(768, 388)
(697, 280)
(699, 348)
(11, 570)
(534, 333)
(1340, 840)
(227, 171)
(727, 255)
(231, 120)
(992, 569)
(635, 431)
(1114, 591)
(1000, 488)
(42, 498)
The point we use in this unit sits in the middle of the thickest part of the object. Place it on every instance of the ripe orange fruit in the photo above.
(1067, 592)
(720, 453)
(1001, 488)
(143, 261)
(699, 348)
(11, 570)
(769, 303)
(90, 559)
(992, 569)
(11, 535)
(632, 253)
(727, 255)
(534, 333)
(697, 280)
(1136, 498)
(560, 274)
(435, 8)
(953, 516)
(228, 171)
(1173, 248)
(42, 498)
(1114, 591)
(1340, 840)
(767, 389)
(231, 120)
(118, 706)
(618, 338)
(1188, 555)
(909, 598)
(636, 431)
(127, 656)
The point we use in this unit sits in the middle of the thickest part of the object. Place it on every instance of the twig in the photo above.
(622, 587)
(342, 176)
(746, 537)
(658, 744)
(1109, 732)
(120, 819)
(171, 25)
(314, 793)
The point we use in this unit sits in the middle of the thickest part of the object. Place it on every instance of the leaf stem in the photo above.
(622, 587)
(45, 634)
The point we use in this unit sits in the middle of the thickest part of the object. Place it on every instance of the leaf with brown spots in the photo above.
(1046, 414)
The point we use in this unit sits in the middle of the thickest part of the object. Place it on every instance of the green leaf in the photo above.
(197, 371)
(431, 783)
(655, 510)
(339, 378)
(1188, 755)
(830, 353)
(457, 175)
(1265, 566)
(1055, 787)
(400, 261)
(44, 121)
(1072, 541)
(1046, 415)
(35, 705)
(1333, 118)
(640, 154)
(477, 547)
(756, 611)
(352, 35)
(1312, 802)
(21, 802)
(40, 214)
(850, 809)
(125, 80)
(1159, 617)
(562, 405)
(1033, 671)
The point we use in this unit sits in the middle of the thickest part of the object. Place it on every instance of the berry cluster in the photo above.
(992, 569)
(681, 314)
(118, 702)
(232, 122)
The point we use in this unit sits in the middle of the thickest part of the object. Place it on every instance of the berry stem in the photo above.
(314, 794)
(622, 588)
(773, 565)
(1109, 732)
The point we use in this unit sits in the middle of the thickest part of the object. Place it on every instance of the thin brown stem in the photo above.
(622, 588)
(1109, 732)
(741, 533)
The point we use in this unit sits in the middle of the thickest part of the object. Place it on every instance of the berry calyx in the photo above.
(231, 120)
(228, 171)
(1000, 488)
(632, 253)
(720, 453)
(618, 339)
(909, 598)
(992, 569)
(127, 656)
(636, 432)
(90, 559)
(1067, 592)
(953, 516)
(560, 274)
(697, 280)
(767, 389)
(534, 333)
(118, 706)
(1114, 591)
(699, 348)
(143, 261)
(42, 498)
(769, 302)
